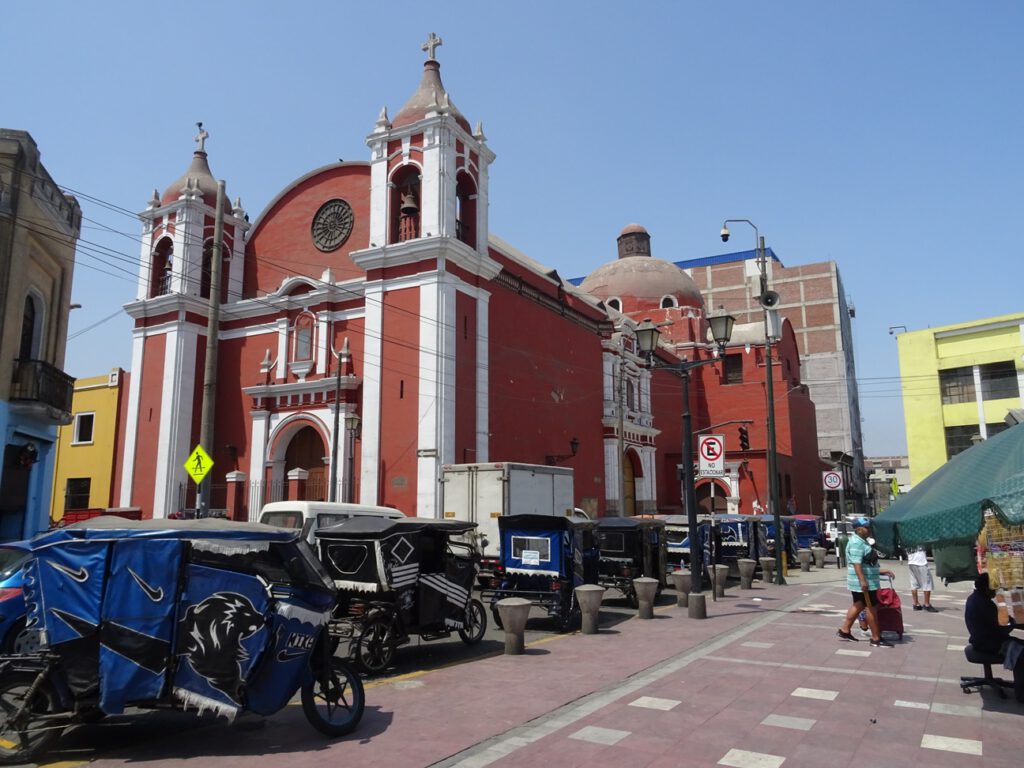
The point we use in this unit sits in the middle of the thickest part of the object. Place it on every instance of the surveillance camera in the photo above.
(725, 234)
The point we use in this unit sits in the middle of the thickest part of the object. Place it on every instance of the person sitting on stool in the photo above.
(987, 635)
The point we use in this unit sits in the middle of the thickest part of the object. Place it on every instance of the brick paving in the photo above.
(667, 692)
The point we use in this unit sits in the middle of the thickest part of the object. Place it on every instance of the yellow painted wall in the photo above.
(98, 395)
(922, 354)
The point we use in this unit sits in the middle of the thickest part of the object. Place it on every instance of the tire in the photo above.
(22, 641)
(475, 623)
(497, 617)
(632, 599)
(27, 739)
(335, 709)
(571, 620)
(376, 646)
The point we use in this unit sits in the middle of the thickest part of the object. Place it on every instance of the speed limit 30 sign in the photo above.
(832, 481)
(711, 453)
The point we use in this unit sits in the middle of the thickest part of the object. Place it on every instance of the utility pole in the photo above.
(212, 332)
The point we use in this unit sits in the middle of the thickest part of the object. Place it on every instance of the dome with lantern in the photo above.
(638, 282)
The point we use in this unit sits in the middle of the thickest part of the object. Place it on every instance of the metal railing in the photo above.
(41, 382)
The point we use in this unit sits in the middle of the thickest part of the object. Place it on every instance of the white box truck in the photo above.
(481, 493)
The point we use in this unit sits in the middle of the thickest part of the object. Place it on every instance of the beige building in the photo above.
(39, 228)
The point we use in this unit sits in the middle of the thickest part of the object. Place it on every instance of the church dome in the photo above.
(198, 176)
(429, 97)
(638, 280)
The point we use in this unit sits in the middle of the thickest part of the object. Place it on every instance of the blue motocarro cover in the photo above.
(222, 628)
(132, 606)
(533, 551)
(138, 620)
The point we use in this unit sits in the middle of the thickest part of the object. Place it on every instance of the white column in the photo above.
(372, 335)
(175, 431)
(258, 432)
(980, 402)
(131, 430)
(378, 193)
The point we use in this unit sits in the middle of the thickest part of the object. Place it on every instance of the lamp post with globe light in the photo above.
(647, 334)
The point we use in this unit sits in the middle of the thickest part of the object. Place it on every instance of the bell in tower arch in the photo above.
(409, 205)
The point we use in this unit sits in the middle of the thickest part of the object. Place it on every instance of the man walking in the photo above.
(921, 578)
(862, 579)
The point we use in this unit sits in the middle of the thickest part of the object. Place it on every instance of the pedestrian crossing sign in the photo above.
(198, 464)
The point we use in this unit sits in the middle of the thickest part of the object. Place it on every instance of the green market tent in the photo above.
(948, 506)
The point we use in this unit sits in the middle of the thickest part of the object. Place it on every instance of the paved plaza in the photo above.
(763, 682)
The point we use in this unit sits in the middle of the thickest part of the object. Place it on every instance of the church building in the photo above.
(372, 330)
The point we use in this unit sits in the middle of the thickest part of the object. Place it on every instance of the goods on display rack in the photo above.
(1001, 553)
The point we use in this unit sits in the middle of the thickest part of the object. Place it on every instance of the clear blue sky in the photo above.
(885, 136)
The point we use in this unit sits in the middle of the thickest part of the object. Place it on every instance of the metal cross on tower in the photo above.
(201, 137)
(431, 45)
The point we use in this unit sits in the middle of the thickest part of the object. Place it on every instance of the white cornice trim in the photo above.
(440, 249)
(266, 392)
(170, 302)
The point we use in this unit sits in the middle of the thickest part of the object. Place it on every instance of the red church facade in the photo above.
(375, 290)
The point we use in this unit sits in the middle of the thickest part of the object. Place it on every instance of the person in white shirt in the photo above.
(921, 578)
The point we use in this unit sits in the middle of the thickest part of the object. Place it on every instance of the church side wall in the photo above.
(545, 389)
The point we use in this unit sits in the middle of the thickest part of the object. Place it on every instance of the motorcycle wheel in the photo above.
(497, 617)
(475, 624)
(22, 742)
(334, 706)
(632, 599)
(376, 646)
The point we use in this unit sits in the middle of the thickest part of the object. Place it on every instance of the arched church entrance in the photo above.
(306, 450)
(630, 471)
(711, 498)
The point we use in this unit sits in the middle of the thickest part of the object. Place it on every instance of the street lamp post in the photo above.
(647, 340)
(332, 494)
(352, 428)
(769, 300)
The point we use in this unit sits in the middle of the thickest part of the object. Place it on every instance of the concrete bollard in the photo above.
(589, 597)
(681, 582)
(746, 566)
(514, 611)
(804, 556)
(819, 556)
(646, 590)
(721, 575)
(697, 606)
(767, 569)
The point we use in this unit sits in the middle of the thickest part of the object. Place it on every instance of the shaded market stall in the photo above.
(946, 511)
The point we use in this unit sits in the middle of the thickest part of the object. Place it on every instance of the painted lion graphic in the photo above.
(212, 632)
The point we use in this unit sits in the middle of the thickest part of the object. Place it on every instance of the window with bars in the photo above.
(76, 495)
(999, 380)
(957, 385)
(732, 369)
(959, 439)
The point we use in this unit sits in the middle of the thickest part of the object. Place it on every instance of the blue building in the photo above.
(39, 228)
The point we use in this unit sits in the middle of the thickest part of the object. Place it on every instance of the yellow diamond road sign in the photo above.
(198, 464)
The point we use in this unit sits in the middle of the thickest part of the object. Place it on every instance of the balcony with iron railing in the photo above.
(40, 382)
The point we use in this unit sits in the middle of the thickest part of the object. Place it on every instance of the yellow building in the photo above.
(84, 471)
(959, 382)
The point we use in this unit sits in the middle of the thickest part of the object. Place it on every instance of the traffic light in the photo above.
(744, 439)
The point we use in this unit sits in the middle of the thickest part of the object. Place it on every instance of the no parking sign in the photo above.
(711, 452)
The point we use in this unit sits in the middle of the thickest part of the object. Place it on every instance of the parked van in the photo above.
(319, 514)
